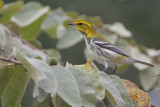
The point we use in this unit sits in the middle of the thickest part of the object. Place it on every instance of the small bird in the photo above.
(101, 50)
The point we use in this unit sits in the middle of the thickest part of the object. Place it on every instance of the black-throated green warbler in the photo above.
(101, 50)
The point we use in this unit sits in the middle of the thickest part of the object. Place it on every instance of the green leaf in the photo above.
(3, 39)
(122, 90)
(70, 38)
(12, 6)
(147, 77)
(67, 87)
(9, 9)
(52, 21)
(58, 102)
(94, 75)
(5, 18)
(40, 72)
(32, 31)
(15, 89)
(3, 64)
(31, 12)
(112, 92)
(5, 75)
(87, 92)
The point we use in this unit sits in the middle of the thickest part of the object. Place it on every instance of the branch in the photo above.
(23, 41)
(11, 61)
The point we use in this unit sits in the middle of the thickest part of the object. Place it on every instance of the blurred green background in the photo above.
(141, 17)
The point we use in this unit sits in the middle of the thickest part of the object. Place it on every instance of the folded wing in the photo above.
(109, 46)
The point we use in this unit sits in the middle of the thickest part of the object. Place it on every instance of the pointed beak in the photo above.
(71, 24)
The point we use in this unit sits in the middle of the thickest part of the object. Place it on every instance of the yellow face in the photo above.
(83, 26)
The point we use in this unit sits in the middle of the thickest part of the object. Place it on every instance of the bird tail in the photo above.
(145, 63)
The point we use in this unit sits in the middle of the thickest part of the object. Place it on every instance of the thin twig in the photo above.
(11, 61)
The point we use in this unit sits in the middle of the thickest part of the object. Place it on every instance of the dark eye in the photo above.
(80, 23)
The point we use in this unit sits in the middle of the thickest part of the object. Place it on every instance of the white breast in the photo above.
(99, 54)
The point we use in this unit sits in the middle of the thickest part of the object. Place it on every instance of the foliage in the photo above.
(140, 97)
(70, 85)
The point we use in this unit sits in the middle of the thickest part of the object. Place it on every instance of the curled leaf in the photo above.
(139, 96)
